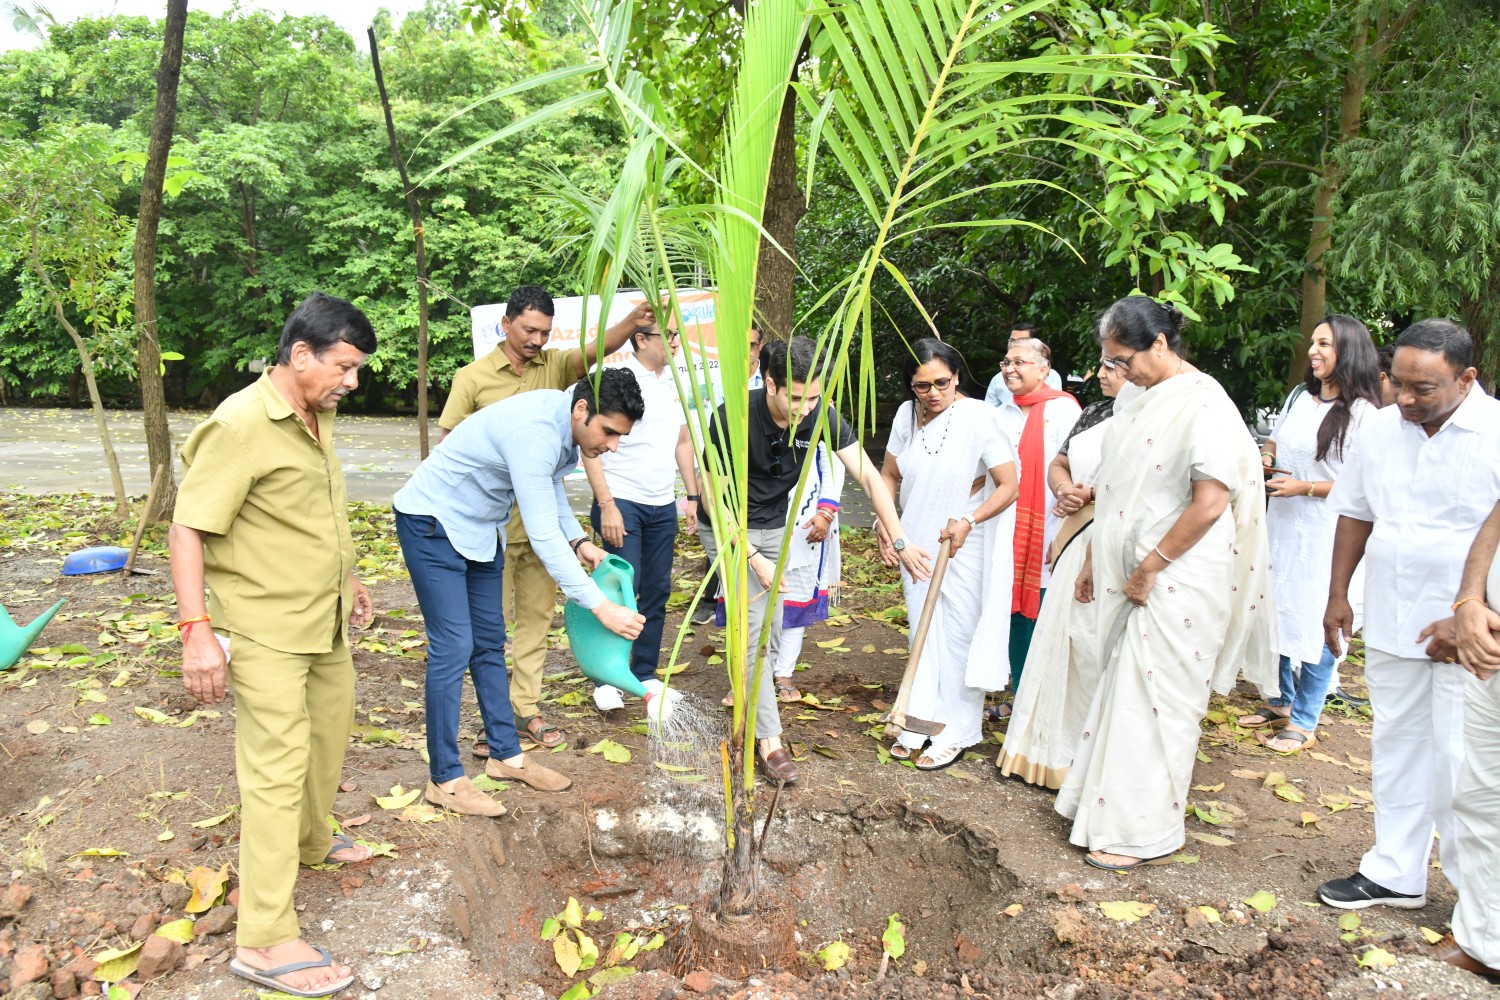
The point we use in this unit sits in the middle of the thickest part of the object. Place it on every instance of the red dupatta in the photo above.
(1031, 505)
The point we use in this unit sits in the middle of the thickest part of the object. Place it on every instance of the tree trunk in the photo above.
(101, 422)
(148, 347)
(414, 207)
(1365, 57)
(776, 273)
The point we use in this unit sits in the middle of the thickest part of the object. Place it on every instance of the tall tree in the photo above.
(159, 449)
(1377, 26)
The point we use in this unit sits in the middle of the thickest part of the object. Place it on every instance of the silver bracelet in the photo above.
(1159, 552)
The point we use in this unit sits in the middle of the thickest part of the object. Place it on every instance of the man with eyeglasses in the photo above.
(635, 503)
(782, 421)
(1037, 418)
(999, 393)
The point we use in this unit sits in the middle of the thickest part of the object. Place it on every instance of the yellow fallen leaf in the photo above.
(1273, 779)
(180, 931)
(399, 798)
(835, 953)
(1291, 793)
(1376, 958)
(101, 852)
(1210, 914)
(1244, 772)
(421, 812)
(208, 886)
(1261, 902)
(1209, 788)
(1210, 838)
(1309, 817)
(1127, 911)
(565, 952)
(1013, 910)
(1431, 936)
(829, 644)
(116, 963)
(204, 824)
(611, 751)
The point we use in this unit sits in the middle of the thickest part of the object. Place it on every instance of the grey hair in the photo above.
(1040, 351)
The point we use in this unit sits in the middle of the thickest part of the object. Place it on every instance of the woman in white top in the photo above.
(1306, 453)
(956, 473)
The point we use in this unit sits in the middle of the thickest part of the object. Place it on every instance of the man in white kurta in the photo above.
(1420, 480)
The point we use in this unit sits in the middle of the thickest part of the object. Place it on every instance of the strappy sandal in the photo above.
(946, 757)
(545, 735)
(1267, 717)
(901, 751)
(482, 748)
(1132, 866)
(1300, 738)
(785, 691)
(342, 842)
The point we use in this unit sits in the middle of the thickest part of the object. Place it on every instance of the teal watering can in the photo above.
(16, 639)
(603, 656)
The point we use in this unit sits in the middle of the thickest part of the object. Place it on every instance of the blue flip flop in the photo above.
(272, 977)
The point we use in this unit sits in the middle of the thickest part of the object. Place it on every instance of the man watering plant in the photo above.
(509, 456)
(263, 489)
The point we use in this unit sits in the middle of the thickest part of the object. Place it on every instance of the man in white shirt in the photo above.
(1419, 482)
(635, 501)
(999, 393)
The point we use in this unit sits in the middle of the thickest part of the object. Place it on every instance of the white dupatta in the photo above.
(1183, 428)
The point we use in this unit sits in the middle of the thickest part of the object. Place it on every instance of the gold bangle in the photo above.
(1465, 600)
(1312, 489)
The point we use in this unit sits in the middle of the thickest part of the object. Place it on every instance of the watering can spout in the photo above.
(603, 656)
(15, 639)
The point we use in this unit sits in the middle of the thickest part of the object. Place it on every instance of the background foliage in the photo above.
(292, 187)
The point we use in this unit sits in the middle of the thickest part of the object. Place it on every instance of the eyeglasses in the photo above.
(1118, 364)
(778, 449)
(922, 388)
(1015, 362)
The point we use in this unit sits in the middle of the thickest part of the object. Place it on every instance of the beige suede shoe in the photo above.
(543, 779)
(464, 798)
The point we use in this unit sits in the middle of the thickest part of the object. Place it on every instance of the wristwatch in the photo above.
(899, 545)
(970, 518)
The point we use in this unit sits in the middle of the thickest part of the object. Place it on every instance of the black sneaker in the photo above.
(704, 615)
(1359, 892)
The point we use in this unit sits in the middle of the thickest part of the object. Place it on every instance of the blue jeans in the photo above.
(1305, 690)
(650, 536)
(460, 600)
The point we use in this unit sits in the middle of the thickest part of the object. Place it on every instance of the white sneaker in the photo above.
(607, 698)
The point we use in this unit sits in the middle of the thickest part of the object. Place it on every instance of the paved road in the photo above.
(57, 451)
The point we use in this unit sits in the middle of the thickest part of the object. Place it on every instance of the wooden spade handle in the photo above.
(919, 635)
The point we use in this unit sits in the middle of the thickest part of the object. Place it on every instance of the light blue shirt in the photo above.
(999, 395)
(516, 451)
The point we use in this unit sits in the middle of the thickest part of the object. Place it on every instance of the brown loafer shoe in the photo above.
(778, 766)
(543, 779)
(465, 799)
(1460, 959)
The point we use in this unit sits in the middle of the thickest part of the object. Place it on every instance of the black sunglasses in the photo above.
(778, 449)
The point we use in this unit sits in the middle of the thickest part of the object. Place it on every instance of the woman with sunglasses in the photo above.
(1063, 665)
(954, 472)
(1178, 573)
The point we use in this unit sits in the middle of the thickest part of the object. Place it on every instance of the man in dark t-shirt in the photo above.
(784, 417)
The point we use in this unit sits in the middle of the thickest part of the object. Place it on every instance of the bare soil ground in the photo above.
(119, 792)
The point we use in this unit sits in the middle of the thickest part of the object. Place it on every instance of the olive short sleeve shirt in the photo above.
(271, 499)
(493, 378)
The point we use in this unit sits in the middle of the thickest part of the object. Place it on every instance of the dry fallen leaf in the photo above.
(1127, 911)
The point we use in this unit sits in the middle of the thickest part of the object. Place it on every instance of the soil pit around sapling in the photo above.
(826, 876)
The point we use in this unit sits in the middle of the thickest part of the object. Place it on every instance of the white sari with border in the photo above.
(1211, 614)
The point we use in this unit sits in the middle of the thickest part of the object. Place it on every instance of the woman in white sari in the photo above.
(1179, 574)
(956, 474)
(1063, 664)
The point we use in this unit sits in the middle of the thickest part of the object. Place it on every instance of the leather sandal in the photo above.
(1301, 738)
(1265, 717)
(539, 731)
(786, 691)
(778, 766)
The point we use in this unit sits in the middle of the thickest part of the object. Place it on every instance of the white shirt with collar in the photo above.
(1427, 497)
(1058, 419)
(644, 469)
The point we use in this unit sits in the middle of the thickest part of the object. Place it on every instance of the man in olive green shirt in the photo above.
(520, 363)
(262, 517)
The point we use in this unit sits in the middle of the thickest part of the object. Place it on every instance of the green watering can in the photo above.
(603, 656)
(16, 639)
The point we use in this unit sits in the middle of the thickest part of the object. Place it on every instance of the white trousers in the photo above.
(1416, 752)
(1476, 920)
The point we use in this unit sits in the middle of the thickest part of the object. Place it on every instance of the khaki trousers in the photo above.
(530, 597)
(293, 716)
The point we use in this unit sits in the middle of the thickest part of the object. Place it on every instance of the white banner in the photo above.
(700, 350)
